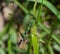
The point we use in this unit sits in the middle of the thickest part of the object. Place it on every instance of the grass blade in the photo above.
(50, 49)
(50, 6)
(35, 44)
(47, 30)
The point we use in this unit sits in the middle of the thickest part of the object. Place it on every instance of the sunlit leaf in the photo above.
(35, 44)
(56, 47)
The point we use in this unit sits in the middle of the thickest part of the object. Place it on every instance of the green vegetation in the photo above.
(41, 23)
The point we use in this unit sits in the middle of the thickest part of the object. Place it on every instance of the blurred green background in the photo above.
(29, 26)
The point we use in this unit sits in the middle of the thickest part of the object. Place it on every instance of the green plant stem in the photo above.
(50, 6)
(9, 47)
(40, 12)
(50, 49)
(55, 37)
(34, 7)
(29, 47)
(53, 27)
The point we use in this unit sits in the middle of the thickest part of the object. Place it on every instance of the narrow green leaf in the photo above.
(9, 47)
(42, 49)
(40, 12)
(56, 47)
(50, 6)
(35, 44)
(34, 7)
(55, 37)
(50, 49)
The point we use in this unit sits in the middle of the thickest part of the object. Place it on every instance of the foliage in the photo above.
(40, 38)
